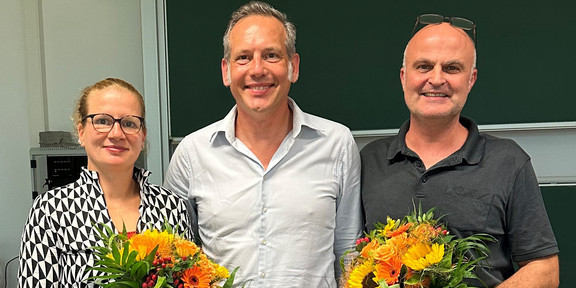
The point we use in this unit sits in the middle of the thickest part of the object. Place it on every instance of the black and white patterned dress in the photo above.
(55, 249)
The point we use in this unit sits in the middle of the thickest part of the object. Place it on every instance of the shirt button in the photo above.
(263, 275)
(419, 164)
(264, 242)
(264, 210)
(424, 179)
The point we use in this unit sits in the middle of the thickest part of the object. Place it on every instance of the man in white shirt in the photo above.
(273, 190)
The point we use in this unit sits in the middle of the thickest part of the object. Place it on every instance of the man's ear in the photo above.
(225, 72)
(472, 79)
(402, 77)
(295, 62)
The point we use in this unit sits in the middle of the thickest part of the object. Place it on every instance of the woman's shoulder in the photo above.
(69, 191)
(161, 194)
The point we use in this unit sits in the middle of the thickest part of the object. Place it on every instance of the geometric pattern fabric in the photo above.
(55, 248)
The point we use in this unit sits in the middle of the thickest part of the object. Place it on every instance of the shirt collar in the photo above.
(140, 175)
(471, 151)
(300, 119)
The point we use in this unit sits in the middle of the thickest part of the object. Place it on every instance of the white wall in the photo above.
(85, 41)
(49, 51)
(15, 186)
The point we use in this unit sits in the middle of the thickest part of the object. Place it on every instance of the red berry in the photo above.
(144, 285)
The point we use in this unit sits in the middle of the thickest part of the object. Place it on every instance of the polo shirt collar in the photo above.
(471, 151)
(473, 148)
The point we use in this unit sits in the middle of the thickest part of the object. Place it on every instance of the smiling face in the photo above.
(259, 71)
(115, 149)
(439, 72)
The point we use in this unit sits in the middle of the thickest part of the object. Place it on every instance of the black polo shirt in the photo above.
(487, 186)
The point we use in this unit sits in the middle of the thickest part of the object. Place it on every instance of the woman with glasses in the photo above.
(55, 250)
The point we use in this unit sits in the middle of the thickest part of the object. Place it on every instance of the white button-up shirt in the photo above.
(284, 226)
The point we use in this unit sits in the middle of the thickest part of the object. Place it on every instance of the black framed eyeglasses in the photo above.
(458, 22)
(104, 123)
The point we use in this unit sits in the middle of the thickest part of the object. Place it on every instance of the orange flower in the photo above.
(196, 277)
(207, 266)
(389, 270)
(399, 231)
(424, 232)
(185, 248)
(384, 252)
(369, 249)
(145, 242)
(401, 242)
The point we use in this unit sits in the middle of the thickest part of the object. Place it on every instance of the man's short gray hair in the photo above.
(263, 9)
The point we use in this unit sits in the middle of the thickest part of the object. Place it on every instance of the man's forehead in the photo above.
(438, 61)
(440, 43)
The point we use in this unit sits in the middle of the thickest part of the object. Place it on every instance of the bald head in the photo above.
(436, 35)
(438, 72)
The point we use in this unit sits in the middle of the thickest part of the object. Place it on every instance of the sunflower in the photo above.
(195, 277)
(422, 255)
(361, 275)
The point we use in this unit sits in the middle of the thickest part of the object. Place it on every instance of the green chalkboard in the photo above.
(559, 201)
(351, 53)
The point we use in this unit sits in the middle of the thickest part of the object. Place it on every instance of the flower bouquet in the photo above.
(413, 253)
(155, 259)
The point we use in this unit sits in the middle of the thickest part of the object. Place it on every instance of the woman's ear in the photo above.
(80, 130)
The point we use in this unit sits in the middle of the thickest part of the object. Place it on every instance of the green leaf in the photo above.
(230, 281)
(446, 261)
(131, 258)
(382, 284)
(125, 253)
(140, 269)
(125, 284)
(160, 282)
(150, 257)
(116, 254)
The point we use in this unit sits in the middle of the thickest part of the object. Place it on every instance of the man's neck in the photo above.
(435, 139)
(263, 135)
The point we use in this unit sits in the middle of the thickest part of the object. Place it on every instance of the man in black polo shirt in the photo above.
(482, 184)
